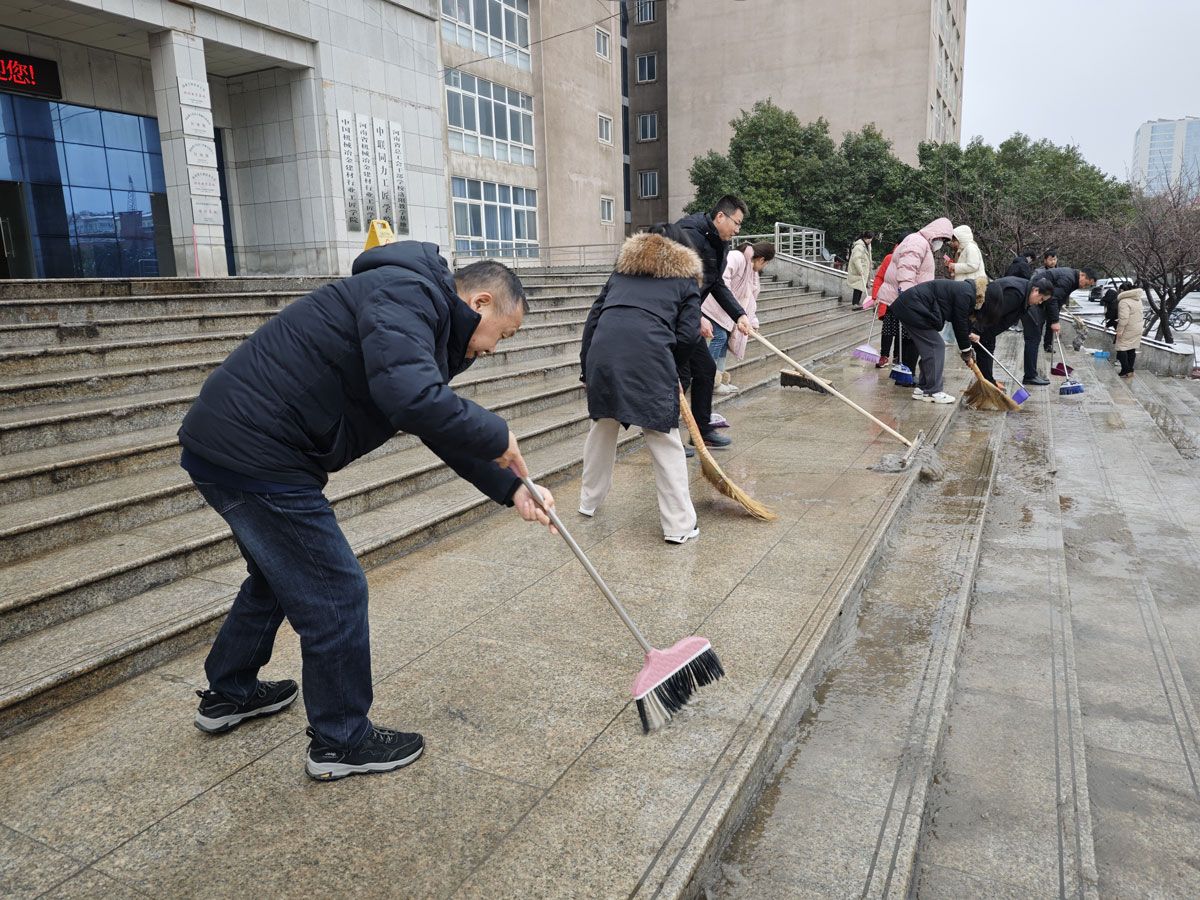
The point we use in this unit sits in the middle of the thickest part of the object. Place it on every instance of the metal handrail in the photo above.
(580, 256)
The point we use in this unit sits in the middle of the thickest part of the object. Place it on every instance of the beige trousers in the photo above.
(675, 508)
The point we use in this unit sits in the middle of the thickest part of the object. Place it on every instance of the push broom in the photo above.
(668, 677)
(713, 473)
(866, 352)
(1020, 395)
(1070, 385)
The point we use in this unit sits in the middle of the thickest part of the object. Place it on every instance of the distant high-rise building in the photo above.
(694, 64)
(1164, 151)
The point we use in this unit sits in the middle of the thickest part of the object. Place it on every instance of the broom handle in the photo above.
(827, 386)
(997, 362)
(586, 563)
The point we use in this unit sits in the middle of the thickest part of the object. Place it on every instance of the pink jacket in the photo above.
(913, 260)
(743, 282)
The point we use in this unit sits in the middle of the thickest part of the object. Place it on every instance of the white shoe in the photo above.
(725, 389)
(918, 394)
(682, 538)
(586, 512)
(939, 397)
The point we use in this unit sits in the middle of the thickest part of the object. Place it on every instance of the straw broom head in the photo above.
(712, 472)
(985, 395)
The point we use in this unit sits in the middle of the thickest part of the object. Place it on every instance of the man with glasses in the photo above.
(709, 235)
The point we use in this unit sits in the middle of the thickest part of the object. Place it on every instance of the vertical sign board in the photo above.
(366, 160)
(383, 168)
(399, 178)
(349, 146)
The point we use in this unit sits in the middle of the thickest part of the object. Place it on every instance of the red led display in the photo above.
(23, 74)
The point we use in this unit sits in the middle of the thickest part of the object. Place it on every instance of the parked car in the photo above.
(1100, 287)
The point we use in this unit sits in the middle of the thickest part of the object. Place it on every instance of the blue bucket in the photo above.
(1020, 395)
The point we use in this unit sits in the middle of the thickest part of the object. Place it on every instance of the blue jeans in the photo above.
(300, 566)
(719, 346)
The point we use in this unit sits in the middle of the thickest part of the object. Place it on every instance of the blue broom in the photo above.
(1070, 385)
(901, 374)
(1020, 395)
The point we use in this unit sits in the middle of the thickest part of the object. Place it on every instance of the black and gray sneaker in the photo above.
(218, 714)
(380, 751)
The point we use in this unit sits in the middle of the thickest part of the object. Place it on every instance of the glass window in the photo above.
(647, 67)
(127, 170)
(498, 28)
(474, 119)
(10, 159)
(51, 205)
(122, 132)
(8, 119)
(648, 184)
(78, 125)
(43, 163)
(497, 219)
(604, 129)
(34, 117)
(603, 39)
(645, 12)
(606, 210)
(648, 127)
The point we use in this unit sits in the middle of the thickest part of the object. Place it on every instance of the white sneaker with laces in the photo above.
(586, 512)
(682, 538)
(918, 394)
(939, 397)
(725, 389)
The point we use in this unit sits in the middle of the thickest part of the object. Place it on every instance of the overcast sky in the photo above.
(1084, 72)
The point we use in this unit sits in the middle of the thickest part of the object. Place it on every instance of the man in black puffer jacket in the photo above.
(924, 310)
(710, 234)
(335, 375)
(1006, 302)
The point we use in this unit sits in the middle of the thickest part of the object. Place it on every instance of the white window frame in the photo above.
(604, 124)
(646, 12)
(642, 195)
(612, 210)
(603, 37)
(648, 117)
(647, 56)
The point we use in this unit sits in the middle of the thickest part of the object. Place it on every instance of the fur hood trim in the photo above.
(654, 256)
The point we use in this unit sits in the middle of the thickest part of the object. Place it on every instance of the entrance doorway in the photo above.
(16, 253)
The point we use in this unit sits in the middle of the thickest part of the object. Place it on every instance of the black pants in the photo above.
(1126, 358)
(857, 298)
(889, 334)
(700, 373)
(1033, 323)
(987, 340)
(1049, 337)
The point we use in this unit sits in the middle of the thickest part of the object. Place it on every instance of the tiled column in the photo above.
(189, 156)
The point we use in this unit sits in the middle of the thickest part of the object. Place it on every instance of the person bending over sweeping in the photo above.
(709, 235)
(1006, 302)
(333, 376)
(924, 310)
(742, 269)
(1044, 320)
(641, 330)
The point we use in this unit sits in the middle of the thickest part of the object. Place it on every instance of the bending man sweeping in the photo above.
(333, 376)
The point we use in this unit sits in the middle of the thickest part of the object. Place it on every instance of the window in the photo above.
(648, 184)
(495, 28)
(494, 219)
(607, 205)
(645, 12)
(648, 126)
(604, 128)
(489, 120)
(602, 42)
(647, 67)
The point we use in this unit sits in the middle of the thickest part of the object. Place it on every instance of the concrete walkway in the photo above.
(493, 643)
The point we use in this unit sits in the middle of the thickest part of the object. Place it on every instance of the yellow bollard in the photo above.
(379, 232)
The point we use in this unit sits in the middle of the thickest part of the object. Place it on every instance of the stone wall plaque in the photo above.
(201, 152)
(366, 162)
(206, 211)
(349, 153)
(399, 178)
(383, 168)
(204, 182)
(194, 92)
(197, 122)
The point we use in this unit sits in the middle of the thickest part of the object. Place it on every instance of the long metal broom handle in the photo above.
(997, 362)
(586, 563)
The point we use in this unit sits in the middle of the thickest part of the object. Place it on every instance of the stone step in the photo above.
(81, 310)
(117, 381)
(194, 551)
(52, 288)
(88, 354)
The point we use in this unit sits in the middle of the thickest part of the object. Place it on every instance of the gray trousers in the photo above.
(932, 350)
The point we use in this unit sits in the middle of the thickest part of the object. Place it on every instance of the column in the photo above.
(185, 127)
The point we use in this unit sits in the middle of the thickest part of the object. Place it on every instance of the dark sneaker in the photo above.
(714, 441)
(1036, 381)
(689, 452)
(381, 751)
(218, 714)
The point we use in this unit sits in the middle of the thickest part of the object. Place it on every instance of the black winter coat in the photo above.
(1020, 267)
(931, 304)
(1003, 305)
(340, 371)
(1065, 281)
(706, 241)
(641, 328)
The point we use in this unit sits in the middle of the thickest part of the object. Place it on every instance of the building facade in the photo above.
(1164, 151)
(211, 137)
(898, 65)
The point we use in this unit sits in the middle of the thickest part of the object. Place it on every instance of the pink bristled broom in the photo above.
(866, 352)
(669, 677)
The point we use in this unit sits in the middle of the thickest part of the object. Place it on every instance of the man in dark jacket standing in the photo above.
(924, 310)
(710, 234)
(333, 376)
(1043, 320)
(1021, 266)
(1006, 302)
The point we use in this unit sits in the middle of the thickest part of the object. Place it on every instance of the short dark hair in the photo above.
(867, 236)
(671, 232)
(763, 250)
(1126, 286)
(1029, 255)
(1043, 286)
(729, 204)
(1050, 251)
(496, 278)
(1091, 273)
